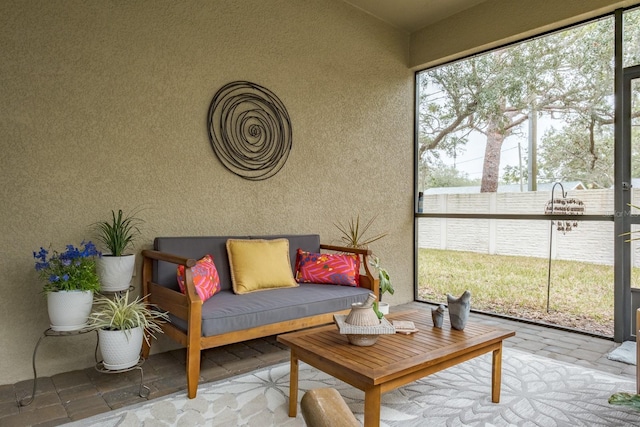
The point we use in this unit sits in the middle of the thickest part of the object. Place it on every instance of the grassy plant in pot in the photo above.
(70, 279)
(115, 268)
(121, 326)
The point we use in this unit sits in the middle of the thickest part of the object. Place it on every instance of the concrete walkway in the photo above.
(79, 394)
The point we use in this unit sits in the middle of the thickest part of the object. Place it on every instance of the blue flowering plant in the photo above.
(71, 270)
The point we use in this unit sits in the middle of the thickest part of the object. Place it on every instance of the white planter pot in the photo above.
(115, 272)
(120, 349)
(383, 307)
(69, 310)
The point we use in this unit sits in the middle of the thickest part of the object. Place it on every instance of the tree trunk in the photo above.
(491, 166)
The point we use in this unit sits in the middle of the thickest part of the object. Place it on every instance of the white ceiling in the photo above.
(412, 15)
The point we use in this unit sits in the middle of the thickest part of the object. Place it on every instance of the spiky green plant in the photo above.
(118, 233)
(353, 234)
(118, 314)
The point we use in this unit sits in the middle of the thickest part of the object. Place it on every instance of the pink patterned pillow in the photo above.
(328, 268)
(205, 278)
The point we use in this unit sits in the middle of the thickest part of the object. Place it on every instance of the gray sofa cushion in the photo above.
(196, 247)
(227, 312)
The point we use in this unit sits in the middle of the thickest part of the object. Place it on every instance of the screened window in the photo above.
(504, 140)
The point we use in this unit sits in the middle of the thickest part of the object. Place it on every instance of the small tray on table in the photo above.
(384, 328)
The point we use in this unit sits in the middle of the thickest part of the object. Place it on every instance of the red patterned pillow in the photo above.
(328, 268)
(205, 278)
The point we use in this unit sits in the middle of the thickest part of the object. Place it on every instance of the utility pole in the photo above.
(520, 165)
(532, 168)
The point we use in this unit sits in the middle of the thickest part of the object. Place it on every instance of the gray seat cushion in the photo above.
(227, 312)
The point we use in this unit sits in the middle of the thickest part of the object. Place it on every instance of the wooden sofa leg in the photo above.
(193, 371)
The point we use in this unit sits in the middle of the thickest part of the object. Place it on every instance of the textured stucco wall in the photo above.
(494, 23)
(103, 106)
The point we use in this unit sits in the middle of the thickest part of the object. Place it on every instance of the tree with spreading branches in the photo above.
(567, 75)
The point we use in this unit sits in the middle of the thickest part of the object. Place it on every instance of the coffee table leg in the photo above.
(372, 407)
(293, 385)
(496, 374)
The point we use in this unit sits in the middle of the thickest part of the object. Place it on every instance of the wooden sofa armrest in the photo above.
(361, 251)
(368, 280)
(167, 297)
(187, 306)
(163, 256)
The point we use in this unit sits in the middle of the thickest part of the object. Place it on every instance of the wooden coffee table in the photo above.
(394, 360)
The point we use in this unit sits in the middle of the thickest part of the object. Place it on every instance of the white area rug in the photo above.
(536, 391)
(626, 353)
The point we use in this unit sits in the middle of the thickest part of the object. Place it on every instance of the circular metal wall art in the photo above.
(249, 130)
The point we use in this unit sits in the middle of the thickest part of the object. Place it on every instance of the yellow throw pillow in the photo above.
(258, 265)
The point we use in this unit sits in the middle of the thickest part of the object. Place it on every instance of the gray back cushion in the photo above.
(164, 273)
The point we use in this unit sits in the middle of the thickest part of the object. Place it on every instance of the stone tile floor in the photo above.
(80, 394)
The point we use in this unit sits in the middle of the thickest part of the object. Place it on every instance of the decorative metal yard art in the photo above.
(561, 206)
(249, 130)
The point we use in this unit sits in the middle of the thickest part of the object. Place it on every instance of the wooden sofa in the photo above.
(229, 318)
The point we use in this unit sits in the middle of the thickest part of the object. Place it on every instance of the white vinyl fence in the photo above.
(590, 241)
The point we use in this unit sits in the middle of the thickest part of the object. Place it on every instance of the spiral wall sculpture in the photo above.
(249, 130)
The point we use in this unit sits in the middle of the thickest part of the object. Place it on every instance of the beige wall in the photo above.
(103, 106)
(494, 23)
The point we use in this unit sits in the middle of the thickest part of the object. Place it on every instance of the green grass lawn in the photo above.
(581, 293)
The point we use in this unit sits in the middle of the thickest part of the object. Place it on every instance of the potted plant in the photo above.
(382, 308)
(353, 235)
(117, 234)
(70, 279)
(121, 326)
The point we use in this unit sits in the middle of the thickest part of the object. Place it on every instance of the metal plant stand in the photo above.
(143, 391)
(51, 333)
